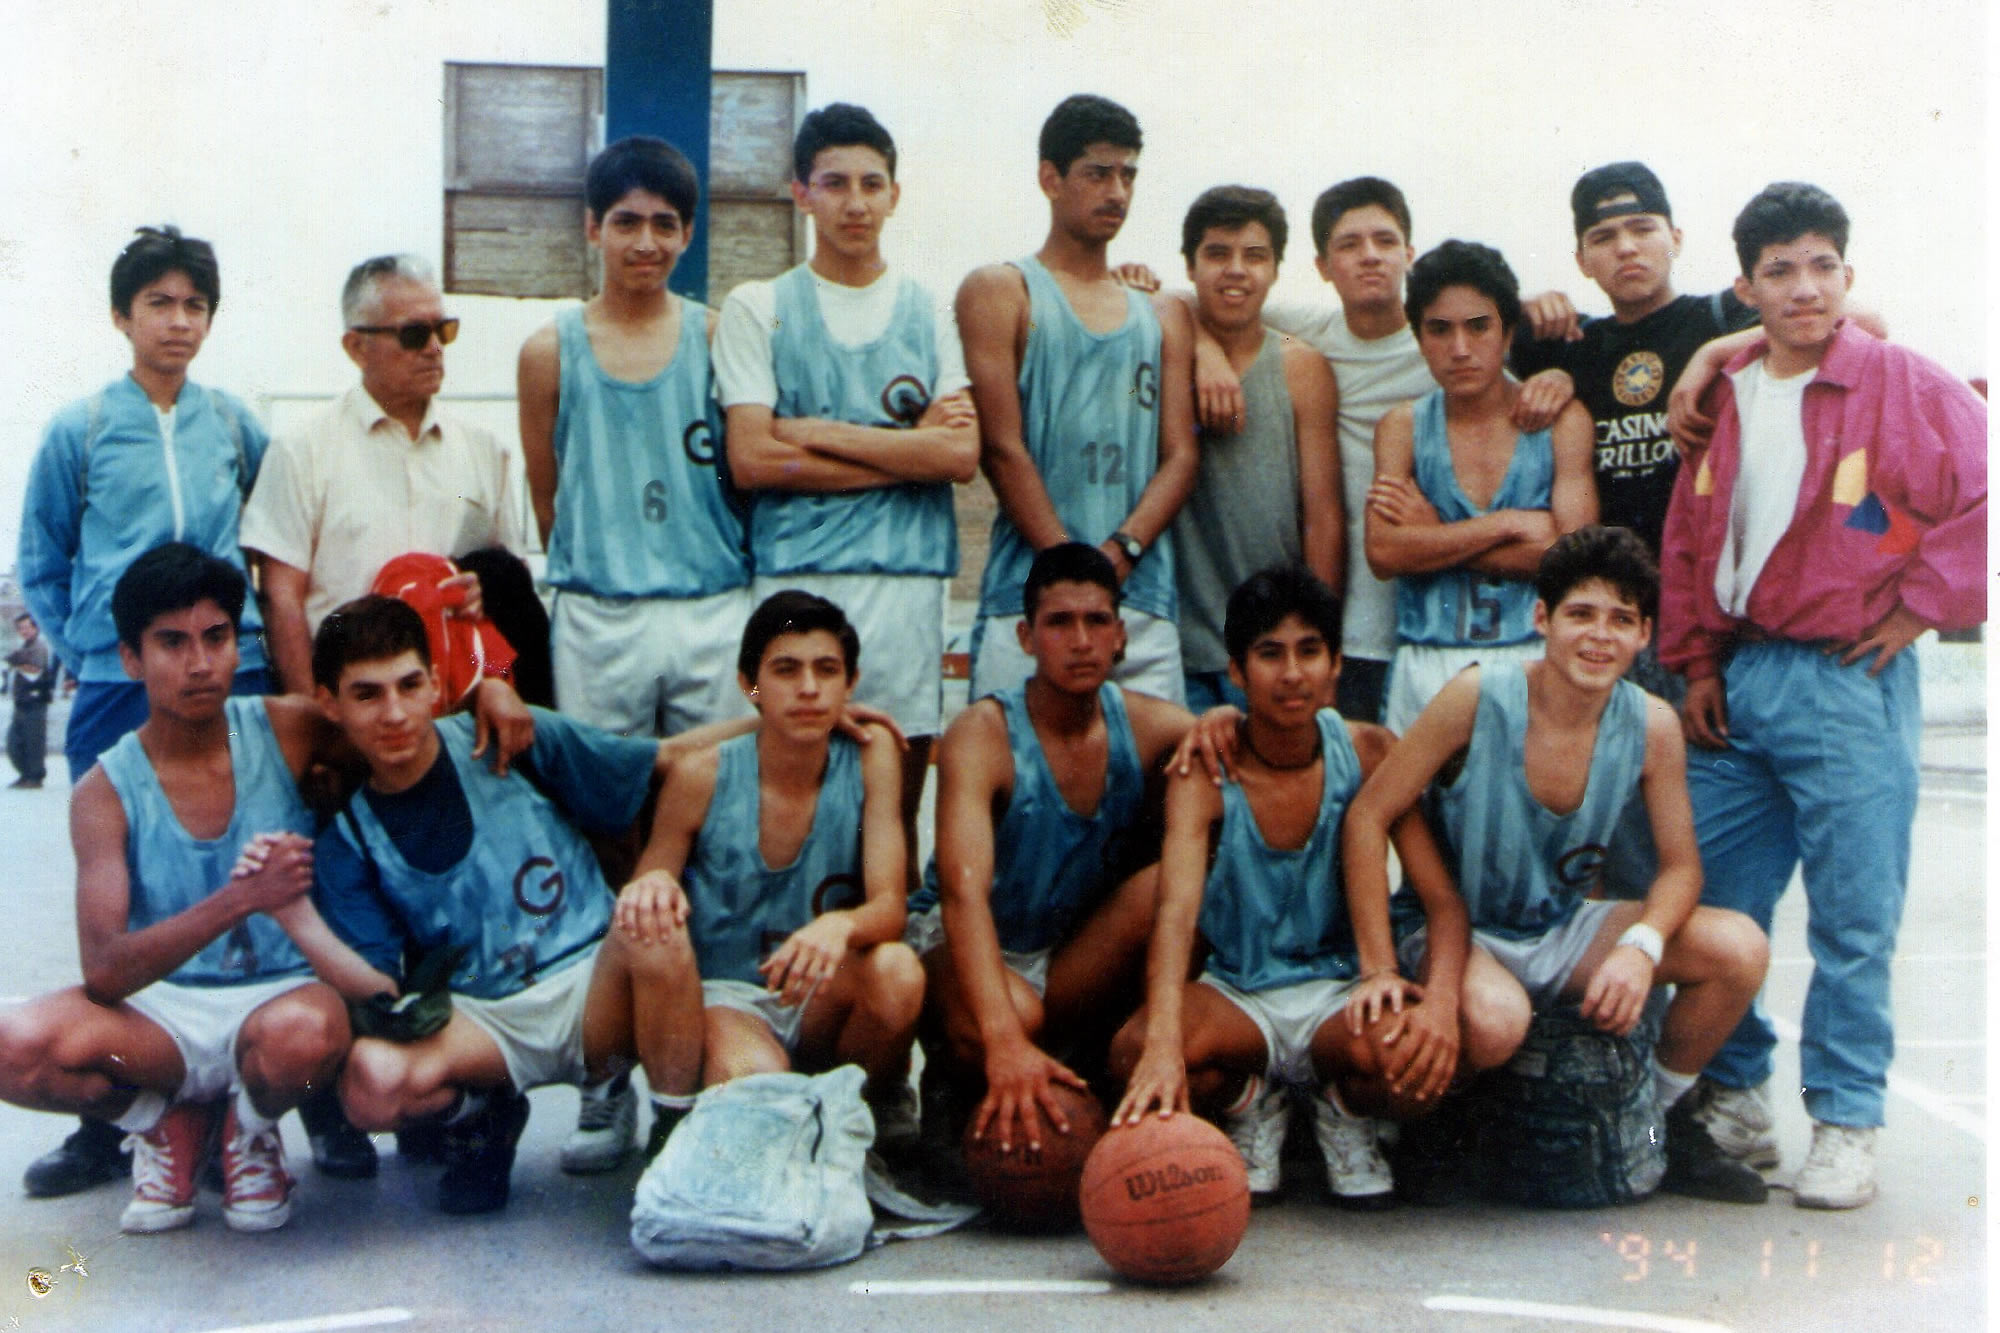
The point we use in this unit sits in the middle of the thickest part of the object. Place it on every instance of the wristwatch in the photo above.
(1130, 545)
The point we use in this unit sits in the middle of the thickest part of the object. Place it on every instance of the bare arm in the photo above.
(1420, 1049)
(285, 623)
(538, 385)
(653, 904)
(1677, 884)
(760, 459)
(1616, 994)
(884, 854)
(1160, 1078)
(943, 446)
(1390, 793)
(974, 766)
(992, 309)
(1315, 412)
(333, 961)
(118, 961)
(678, 815)
(975, 770)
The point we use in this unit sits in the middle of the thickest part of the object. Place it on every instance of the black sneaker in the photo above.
(338, 1148)
(94, 1155)
(1697, 1166)
(479, 1156)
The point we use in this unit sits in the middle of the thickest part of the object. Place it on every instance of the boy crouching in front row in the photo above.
(1530, 766)
(1253, 863)
(555, 979)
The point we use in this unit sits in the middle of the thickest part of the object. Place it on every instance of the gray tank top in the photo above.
(1244, 513)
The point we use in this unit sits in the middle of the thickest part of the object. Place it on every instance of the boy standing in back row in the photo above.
(1838, 512)
(1464, 502)
(1268, 488)
(622, 438)
(1086, 422)
(849, 418)
(1361, 245)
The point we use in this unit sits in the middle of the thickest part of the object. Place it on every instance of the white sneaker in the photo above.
(1355, 1169)
(1839, 1170)
(1257, 1125)
(605, 1125)
(1740, 1122)
(256, 1188)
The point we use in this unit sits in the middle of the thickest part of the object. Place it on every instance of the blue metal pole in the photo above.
(656, 81)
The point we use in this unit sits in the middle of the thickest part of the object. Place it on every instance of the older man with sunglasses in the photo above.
(381, 472)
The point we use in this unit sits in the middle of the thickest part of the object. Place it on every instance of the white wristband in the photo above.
(1645, 939)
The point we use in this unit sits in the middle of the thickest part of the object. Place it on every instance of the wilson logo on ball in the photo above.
(1145, 1184)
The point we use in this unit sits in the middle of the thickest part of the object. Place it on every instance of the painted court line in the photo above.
(1573, 1314)
(980, 1287)
(320, 1323)
(1916, 1094)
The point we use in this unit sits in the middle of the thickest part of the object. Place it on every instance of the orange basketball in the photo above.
(1166, 1200)
(1037, 1191)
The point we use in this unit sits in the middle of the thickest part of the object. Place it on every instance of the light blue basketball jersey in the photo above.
(741, 909)
(1458, 607)
(1521, 869)
(643, 508)
(1276, 918)
(171, 870)
(1090, 413)
(526, 902)
(902, 529)
(1050, 863)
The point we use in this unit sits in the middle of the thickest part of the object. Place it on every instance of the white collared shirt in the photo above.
(349, 491)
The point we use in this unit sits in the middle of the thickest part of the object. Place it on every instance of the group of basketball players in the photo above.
(1205, 500)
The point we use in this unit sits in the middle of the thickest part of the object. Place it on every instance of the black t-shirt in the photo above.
(430, 821)
(1623, 374)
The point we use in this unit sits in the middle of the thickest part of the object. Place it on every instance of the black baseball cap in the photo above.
(1614, 191)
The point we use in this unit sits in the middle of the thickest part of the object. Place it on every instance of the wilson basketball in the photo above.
(1166, 1200)
(1037, 1190)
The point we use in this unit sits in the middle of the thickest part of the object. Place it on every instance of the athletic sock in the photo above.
(1669, 1086)
(248, 1118)
(144, 1113)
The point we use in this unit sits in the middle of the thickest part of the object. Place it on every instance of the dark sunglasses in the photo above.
(417, 336)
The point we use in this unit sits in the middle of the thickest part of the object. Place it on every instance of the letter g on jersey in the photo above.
(905, 398)
(1582, 867)
(538, 886)
(1146, 384)
(698, 442)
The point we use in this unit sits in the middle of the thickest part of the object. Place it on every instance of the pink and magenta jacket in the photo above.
(1892, 509)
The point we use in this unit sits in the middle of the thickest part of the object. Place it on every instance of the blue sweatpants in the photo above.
(1821, 769)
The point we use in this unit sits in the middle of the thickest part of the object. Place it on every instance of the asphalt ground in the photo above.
(374, 1254)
